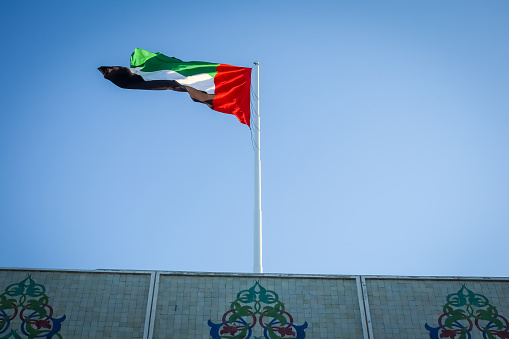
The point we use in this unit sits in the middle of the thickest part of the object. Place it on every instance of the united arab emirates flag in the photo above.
(223, 88)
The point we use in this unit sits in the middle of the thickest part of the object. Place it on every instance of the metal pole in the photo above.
(257, 268)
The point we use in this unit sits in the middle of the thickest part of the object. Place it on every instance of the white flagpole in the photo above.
(257, 268)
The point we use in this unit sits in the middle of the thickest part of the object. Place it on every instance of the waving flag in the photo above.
(223, 88)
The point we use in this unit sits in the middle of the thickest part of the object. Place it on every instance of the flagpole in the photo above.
(257, 267)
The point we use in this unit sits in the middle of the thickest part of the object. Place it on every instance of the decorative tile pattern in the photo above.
(462, 311)
(399, 308)
(28, 301)
(96, 304)
(248, 310)
(186, 303)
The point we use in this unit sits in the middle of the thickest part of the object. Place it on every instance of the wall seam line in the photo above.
(150, 299)
(153, 306)
(362, 307)
(366, 307)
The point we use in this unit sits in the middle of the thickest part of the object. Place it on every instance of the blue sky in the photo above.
(384, 138)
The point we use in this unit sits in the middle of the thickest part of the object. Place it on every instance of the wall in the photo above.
(149, 304)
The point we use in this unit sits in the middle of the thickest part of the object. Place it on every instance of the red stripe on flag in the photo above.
(233, 85)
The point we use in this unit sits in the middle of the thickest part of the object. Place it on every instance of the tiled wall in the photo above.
(185, 304)
(95, 305)
(180, 305)
(401, 308)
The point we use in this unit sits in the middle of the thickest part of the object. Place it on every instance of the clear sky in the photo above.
(385, 134)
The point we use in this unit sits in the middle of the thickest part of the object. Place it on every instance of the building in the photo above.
(187, 305)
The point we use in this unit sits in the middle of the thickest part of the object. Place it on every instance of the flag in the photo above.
(224, 88)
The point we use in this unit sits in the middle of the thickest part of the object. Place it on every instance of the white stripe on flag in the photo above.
(202, 82)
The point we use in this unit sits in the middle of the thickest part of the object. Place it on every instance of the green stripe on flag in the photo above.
(151, 62)
(140, 56)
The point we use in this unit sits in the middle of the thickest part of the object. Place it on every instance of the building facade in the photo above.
(189, 305)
